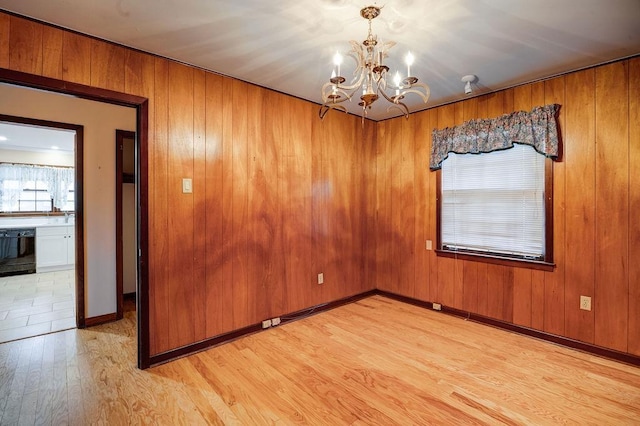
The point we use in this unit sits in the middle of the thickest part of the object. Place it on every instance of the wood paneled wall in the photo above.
(596, 202)
(278, 195)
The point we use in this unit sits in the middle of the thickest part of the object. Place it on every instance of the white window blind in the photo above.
(494, 202)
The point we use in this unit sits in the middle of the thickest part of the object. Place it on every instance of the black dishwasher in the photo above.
(17, 251)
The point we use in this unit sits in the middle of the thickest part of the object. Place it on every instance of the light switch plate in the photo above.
(187, 187)
(321, 278)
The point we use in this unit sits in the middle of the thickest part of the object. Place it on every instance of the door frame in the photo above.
(141, 104)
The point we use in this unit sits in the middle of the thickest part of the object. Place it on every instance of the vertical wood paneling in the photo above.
(226, 201)
(395, 141)
(422, 203)
(25, 38)
(52, 52)
(296, 216)
(159, 247)
(634, 206)
(239, 205)
(495, 286)
(611, 299)
(180, 258)
(260, 211)
(272, 211)
(538, 277)
(318, 189)
(403, 222)
(580, 166)
(107, 66)
(137, 69)
(4, 40)
(383, 208)
(213, 230)
(76, 58)
(432, 224)
(199, 206)
(554, 281)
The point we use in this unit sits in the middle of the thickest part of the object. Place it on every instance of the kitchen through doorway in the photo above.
(40, 204)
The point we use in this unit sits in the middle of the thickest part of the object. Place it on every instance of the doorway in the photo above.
(41, 198)
(126, 213)
(141, 107)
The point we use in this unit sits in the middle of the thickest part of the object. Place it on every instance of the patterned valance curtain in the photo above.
(537, 128)
(57, 180)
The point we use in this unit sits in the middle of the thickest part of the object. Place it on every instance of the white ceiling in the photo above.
(32, 138)
(288, 45)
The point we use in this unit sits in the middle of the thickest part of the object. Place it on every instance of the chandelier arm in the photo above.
(413, 89)
(327, 93)
(325, 108)
(401, 106)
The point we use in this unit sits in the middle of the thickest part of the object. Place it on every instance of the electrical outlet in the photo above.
(275, 321)
(429, 245)
(437, 306)
(266, 323)
(585, 303)
(321, 278)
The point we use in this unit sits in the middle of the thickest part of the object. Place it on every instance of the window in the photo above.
(496, 205)
(29, 189)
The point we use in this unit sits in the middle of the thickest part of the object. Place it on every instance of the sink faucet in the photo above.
(66, 217)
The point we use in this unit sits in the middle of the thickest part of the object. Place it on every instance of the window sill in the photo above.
(498, 260)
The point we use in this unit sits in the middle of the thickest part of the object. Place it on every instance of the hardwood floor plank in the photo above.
(376, 361)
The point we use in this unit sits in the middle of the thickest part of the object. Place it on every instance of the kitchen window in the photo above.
(26, 188)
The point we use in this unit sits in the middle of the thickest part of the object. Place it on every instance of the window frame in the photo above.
(497, 258)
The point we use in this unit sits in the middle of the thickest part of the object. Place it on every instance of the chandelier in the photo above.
(370, 76)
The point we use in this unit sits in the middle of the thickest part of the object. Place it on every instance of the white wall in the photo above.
(100, 121)
(51, 158)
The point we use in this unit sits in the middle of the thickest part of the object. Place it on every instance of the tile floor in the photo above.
(35, 304)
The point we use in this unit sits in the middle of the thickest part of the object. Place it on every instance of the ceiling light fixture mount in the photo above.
(370, 75)
(468, 79)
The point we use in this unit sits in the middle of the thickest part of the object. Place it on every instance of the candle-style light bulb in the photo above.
(337, 61)
(397, 80)
(409, 61)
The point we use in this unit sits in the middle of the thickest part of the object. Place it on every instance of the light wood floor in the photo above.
(375, 362)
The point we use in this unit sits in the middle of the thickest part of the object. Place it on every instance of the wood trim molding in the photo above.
(553, 338)
(100, 319)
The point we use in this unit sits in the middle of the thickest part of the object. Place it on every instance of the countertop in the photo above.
(35, 222)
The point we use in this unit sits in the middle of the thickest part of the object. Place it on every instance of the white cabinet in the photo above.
(55, 248)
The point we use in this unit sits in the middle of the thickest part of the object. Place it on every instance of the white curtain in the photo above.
(58, 180)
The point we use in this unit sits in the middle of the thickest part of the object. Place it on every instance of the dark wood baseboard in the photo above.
(101, 319)
(559, 340)
(236, 334)
(129, 296)
(553, 338)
